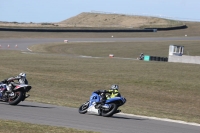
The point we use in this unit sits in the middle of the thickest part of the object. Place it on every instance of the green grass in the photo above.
(161, 89)
(21, 127)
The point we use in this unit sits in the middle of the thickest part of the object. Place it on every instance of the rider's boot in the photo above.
(117, 111)
(27, 95)
(8, 91)
(99, 104)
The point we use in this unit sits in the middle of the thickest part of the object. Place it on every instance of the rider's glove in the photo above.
(98, 91)
(4, 81)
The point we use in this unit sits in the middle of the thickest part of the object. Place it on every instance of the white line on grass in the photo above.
(29, 49)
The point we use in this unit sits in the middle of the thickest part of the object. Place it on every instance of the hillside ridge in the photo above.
(100, 20)
(86, 19)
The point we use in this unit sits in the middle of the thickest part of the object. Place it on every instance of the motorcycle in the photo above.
(18, 94)
(107, 110)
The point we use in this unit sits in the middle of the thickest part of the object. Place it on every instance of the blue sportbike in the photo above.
(107, 110)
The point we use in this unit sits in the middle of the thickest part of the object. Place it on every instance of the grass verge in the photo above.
(160, 89)
(21, 127)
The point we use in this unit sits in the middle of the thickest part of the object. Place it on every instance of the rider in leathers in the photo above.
(112, 92)
(10, 84)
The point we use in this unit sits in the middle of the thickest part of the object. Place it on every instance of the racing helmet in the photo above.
(22, 75)
(114, 87)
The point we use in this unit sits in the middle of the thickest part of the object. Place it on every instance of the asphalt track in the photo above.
(47, 114)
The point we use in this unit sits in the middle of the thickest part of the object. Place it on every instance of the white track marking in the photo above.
(162, 119)
(29, 49)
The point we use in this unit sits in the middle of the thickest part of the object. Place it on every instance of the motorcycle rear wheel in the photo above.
(112, 110)
(83, 108)
(18, 95)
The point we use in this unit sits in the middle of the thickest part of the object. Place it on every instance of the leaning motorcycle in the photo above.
(18, 94)
(107, 110)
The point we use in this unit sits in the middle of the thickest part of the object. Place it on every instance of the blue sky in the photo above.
(59, 10)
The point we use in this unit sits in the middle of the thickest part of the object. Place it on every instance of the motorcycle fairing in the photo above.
(26, 87)
(92, 109)
(114, 99)
(94, 98)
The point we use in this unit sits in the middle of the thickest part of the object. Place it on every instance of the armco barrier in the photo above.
(76, 30)
(28, 29)
(169, 28)
(146, 58)
(157, 58)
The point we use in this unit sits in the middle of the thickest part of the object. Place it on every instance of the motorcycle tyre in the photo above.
(17, 100)
(111, 112)
(81, 111)
(99, 112)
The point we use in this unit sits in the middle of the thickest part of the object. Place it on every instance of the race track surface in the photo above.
(47, 114)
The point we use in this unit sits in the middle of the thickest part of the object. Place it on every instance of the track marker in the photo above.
(111, 55)
(65, 41)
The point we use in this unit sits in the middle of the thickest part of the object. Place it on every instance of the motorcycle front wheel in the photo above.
(15, 97)
(4, 97)
(83, 108)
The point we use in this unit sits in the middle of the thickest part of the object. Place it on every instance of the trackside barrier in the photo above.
(77, 30)
(146, 58)
(155, 58)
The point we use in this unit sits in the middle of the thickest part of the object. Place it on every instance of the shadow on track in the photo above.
(28, 106)
(121, 117)
(33, 106)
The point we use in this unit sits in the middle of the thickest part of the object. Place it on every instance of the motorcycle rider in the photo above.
(21, 78)
(112, 92)
(141, 56)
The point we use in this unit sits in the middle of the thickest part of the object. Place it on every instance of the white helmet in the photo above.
(22, 75)
(115, 87)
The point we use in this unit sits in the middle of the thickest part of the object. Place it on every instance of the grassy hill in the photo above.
(104, 20)
(117, 20)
